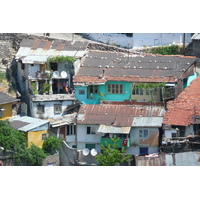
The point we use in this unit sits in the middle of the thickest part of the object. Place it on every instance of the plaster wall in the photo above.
(35, 137)
(49, 109)
(151, 140)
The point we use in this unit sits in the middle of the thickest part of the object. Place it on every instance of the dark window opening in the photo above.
(54, 66)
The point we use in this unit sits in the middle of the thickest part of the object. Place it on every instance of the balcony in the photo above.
(125, 142)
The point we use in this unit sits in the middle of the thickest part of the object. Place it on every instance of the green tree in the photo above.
(34, 156)
(51, 144)
(15, 141)
(110, 154)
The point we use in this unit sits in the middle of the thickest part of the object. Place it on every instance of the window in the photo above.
(115, 89)
(138, 91)
(57, 108)
(44, 136)
(143, 150)
(74, 146)
(40, 109)
(90, 146)
(54, 66)
(93, 89)
(71, 130)
(91, 130)
(81, 92)
(143, 133)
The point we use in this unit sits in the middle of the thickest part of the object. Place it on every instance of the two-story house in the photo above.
(181, 123)
(138, 127)
(113, 76)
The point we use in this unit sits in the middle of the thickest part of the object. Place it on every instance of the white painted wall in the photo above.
(49, 109)
(84, 138)
(168, 133)
(140, 40)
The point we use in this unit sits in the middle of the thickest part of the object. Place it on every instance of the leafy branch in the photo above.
(58, 59)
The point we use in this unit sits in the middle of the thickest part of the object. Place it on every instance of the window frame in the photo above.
(91, 130)
(115, 89)
(93, 89)
(81, 92)
(143, 133)
(44, 135)
(58, 111)
(40, 111)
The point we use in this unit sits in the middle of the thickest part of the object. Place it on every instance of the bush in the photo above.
(51, 145)
(34, 156)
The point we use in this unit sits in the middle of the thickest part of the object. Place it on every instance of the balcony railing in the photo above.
(121, 143)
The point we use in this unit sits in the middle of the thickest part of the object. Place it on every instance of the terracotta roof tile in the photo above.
(182, 110)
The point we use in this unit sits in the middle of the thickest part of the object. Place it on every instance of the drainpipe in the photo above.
(58, 132)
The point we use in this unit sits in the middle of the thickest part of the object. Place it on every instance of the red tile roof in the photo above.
(185, 107)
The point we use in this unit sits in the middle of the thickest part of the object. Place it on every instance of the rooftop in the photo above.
(182, 110)
(25, 123)
(4, 98)
(116, 115)
(123, 67)
(38, 50)
(53, 97)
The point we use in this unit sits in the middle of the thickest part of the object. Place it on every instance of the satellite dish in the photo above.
(63, 74)
(93, 152)
(55, 74)
(86, 151)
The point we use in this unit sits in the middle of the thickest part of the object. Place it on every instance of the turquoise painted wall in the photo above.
(102, 93)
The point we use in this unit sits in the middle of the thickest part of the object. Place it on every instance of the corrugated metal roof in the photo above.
(183, 159)
(147, 121)
(116, 115)
(29, 122)
(66, 119)
(111, 129)
(151, 160)
(32, 51)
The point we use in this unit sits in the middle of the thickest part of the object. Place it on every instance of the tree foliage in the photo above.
(58, 59)
(110, 154)
(51, 144)
(166, 50)
(15, 141)
(34, 156)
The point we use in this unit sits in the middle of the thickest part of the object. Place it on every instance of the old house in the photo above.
(36, 129)
(122, 77)
(45, 75)
(138, 127)
(45, 69)
(181, 122)
(6, 105)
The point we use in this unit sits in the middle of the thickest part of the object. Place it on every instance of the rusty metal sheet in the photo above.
(116, 115)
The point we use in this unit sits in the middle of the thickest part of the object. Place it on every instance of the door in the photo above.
(143, 150)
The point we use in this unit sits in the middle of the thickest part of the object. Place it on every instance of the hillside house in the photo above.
(6, 105)
(43, 81)
(138, 127)
(111, 76)
(36, 130)
(181, 123)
